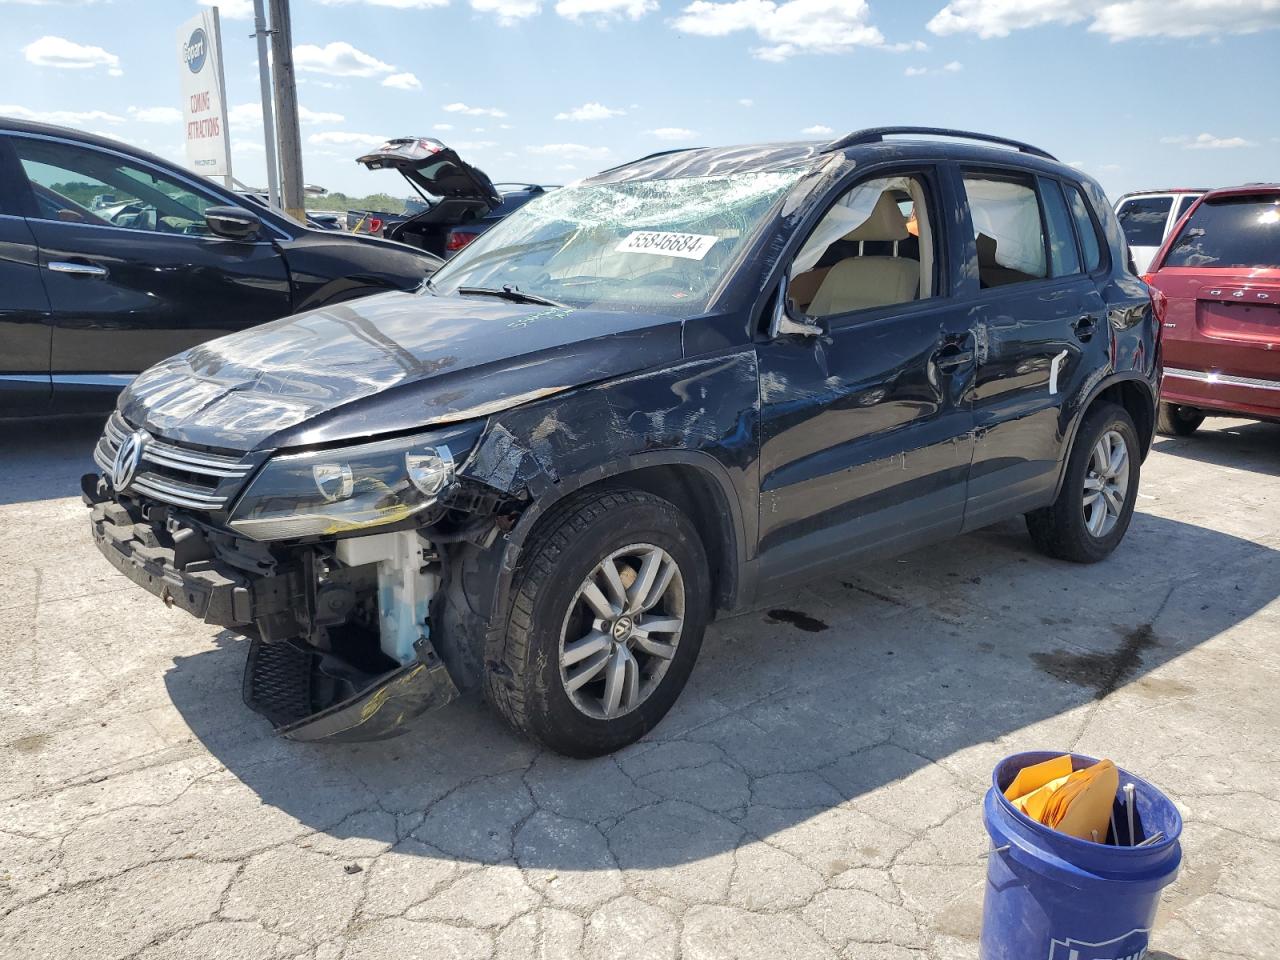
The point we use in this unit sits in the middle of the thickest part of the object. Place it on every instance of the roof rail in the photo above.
(878, 134)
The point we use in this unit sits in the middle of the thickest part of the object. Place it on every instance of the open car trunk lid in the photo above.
(436, 169)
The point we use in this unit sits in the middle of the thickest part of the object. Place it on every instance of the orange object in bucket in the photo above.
(1075, 803)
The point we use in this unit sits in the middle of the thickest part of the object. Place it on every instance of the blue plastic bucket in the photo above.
(1053, 897)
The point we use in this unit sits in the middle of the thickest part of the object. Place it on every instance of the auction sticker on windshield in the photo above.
(690, 246)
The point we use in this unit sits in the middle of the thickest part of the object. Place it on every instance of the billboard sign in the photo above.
(204, 102)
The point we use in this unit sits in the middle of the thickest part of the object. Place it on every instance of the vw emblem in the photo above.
(128, 457)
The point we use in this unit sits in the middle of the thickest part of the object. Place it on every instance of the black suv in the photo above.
(112, 259)
(637, 403)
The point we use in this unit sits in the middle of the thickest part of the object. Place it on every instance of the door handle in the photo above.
(78, 269)
(1084, 328)
(950, 361)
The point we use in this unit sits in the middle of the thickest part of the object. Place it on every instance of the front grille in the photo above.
(173, 474)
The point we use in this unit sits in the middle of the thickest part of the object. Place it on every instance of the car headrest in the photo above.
(986, 251)
(885, 223)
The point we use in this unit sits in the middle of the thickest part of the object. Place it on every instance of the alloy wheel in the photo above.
(1106, 484)
(621, 631)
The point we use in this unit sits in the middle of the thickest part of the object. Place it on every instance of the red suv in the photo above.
(1216, 282)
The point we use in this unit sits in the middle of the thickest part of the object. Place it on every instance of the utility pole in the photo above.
(268, 113)
(286, 98)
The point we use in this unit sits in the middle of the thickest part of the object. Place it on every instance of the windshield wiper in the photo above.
(512, 293)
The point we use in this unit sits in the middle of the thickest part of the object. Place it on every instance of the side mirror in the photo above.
(232, 223)
(781, 324)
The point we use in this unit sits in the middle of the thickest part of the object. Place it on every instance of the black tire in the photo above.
(525, 683)
(1173, 420)
(1060, 529)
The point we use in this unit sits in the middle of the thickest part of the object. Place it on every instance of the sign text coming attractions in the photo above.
(204, 102)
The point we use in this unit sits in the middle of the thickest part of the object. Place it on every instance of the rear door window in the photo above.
(1087, 228)
(1007, 228)
(1143, 220)
(1230, 232)
(1064, 258)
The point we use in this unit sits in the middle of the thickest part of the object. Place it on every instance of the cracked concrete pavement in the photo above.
(815, 792)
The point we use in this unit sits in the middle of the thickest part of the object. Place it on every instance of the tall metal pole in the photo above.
(268, 113)
(289, 137)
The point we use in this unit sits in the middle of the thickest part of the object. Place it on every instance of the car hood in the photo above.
(390, 363)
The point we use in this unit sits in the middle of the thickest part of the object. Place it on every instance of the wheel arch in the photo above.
(1133, 394)
(695, 482)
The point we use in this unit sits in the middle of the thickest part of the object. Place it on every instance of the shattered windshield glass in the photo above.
(647, 245)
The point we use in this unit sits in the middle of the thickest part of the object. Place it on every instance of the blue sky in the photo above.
(1139, 93)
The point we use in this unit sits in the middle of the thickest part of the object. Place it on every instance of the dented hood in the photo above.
(386, 364)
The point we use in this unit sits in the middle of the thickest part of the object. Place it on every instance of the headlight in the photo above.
(350, 488)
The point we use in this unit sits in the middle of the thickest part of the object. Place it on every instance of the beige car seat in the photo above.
(858, 283)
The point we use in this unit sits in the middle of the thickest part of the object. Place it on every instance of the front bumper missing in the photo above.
(280, 680)
(289, 683)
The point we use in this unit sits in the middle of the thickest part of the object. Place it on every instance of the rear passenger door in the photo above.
(1041, 331)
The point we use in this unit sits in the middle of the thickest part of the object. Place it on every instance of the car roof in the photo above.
(53, 130)
(863, 146)
(1245, 189)
(1161, 193)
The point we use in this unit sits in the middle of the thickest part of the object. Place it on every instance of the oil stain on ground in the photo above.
(797, 619)
(1105, 672)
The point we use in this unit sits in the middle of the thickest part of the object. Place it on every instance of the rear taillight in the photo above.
(375, 225)
(1159, 302)
(458, 239)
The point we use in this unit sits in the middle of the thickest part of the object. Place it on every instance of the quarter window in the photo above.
(1087, 228)
(874, 248)
(76, 184)
(1007, 229)
(1063, 256)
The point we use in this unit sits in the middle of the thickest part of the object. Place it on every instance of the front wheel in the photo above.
(1174, 420)
(606, 620)
(1099, 488)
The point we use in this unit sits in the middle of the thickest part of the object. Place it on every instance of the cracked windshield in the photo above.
(658, 246)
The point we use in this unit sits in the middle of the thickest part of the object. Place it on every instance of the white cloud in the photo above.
(67, 118)
(345, 138)
(569, 150)
(231, 9)
(250, 114)
(590, 111)
(69, 55)
(338, 59)
(508, 12)
(605, 9)
(789, 28)
(1118, 19)
(156, 114)
(394, 4)
(955, 66)
(1207, 141)
(673, 133)
(746, 102)
(474, 111)
(442, 126)
(818, 130)
(402, 81)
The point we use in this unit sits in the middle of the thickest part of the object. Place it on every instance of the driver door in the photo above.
(131, 272)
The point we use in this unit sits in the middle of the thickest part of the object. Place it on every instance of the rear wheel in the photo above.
(1099, 488)
(607, 616)
(1174, 420)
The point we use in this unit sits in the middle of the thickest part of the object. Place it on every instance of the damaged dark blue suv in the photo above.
(637, 403)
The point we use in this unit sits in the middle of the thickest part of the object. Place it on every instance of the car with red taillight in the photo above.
(1216, 288)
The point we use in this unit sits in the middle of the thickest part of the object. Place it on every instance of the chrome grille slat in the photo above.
(208, 480)
(175, 491)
